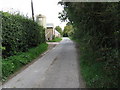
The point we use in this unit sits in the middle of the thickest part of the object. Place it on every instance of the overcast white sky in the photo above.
(49, 8)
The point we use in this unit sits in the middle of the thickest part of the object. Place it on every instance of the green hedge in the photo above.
(19, 34)
(97, 29)
(14, 63)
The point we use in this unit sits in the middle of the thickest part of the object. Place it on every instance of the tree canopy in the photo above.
(68, 30)
(97, 27)
(59, 29)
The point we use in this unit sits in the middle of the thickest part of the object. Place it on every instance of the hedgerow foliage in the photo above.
(19, 34)
(14, 63)
(97, 29)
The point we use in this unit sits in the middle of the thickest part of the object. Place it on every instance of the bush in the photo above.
(14, 63)
(19, 34)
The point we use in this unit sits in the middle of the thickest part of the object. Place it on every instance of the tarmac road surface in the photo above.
(58, 68)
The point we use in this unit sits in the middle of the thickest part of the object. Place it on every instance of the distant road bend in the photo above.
(58, 68)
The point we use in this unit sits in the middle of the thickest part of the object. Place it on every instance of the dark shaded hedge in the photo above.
(97, 31)
(19, 34)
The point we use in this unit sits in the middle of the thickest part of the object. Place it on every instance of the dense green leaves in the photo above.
(14, 63)
(68, 30)
(59, 29)
(97, 28)
(19, 34)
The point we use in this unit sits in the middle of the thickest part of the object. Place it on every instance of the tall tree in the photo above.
(59, 29)
(97, 27)
(68, 30)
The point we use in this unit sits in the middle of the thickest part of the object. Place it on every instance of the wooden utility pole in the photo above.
(32, 10)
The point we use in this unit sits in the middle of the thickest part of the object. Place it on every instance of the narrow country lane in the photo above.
(58, 68)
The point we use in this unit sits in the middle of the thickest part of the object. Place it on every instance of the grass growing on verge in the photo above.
(57, 39)
(14, 63)
(93, 70)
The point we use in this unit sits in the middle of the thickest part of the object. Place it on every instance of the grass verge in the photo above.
(14, 63)
(96, 73)
(57, 39)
